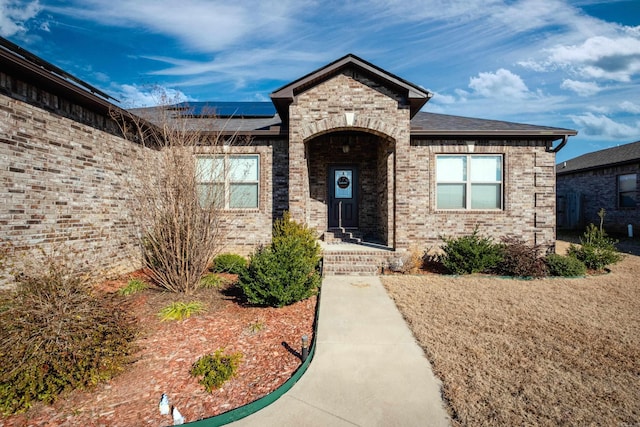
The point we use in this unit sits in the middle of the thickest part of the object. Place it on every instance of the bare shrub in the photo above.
(56, 336)
(520, 259)
(180, 221)
(409, 262)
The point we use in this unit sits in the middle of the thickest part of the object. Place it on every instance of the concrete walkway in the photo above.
(367, 370)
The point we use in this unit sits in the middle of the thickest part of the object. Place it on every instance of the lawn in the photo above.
(535, 352)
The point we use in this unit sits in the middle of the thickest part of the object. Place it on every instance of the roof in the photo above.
(32, 69)
(254, 117)
(443, 125)
(283, 97)
(623, 154)
(267, 118)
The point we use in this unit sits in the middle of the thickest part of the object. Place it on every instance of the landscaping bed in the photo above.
(268, 338)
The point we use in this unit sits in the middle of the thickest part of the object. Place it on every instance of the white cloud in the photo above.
(201, 25)
(581, 88)
(441, 98)
(526, 15)
(629, 107)
(601, 57)
(134, 96)
(15, 14)
(601, 125)
(502, 83)
(427, 9)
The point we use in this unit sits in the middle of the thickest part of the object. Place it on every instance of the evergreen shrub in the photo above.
(470, 254)
(229, 263)
(216, 369)
(564, 266)
(285, 271)
(597, 250)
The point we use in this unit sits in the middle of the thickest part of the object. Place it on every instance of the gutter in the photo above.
(544, 134)
(565, 139)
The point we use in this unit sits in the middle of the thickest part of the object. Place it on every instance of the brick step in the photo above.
(341, 235)
(354, 263)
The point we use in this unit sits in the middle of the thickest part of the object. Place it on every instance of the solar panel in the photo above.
(225, 109)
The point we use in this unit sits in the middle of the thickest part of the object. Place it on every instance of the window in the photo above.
(469, 181)
(627, 190)
(228, 181)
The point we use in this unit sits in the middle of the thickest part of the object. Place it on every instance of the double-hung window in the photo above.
(627, 190)
(228, 182)
(469, 181)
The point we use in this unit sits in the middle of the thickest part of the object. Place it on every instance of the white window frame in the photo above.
(226, 176)
(620, 192)
(468, 183)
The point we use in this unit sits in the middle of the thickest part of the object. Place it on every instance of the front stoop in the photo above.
(354, 260)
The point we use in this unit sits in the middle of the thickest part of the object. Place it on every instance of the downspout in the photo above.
(565, 139)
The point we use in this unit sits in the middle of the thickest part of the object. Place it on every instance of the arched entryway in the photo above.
(350, 176)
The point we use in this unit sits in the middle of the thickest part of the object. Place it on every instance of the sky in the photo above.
(566, 63)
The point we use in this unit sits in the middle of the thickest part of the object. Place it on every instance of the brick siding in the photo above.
(599, 190)
(388, 160)
(64, 183)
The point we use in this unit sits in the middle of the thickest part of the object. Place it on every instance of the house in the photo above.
(605, 179)
(345, 149)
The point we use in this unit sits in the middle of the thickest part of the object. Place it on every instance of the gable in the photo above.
(406, 94)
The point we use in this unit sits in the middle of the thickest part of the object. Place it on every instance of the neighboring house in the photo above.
(344, 148)
(605, 179)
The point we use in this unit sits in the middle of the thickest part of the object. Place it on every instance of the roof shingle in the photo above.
(611, 156)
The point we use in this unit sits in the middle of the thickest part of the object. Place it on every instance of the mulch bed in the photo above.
(268, 338)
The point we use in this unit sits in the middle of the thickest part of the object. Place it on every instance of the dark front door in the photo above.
(343, 197)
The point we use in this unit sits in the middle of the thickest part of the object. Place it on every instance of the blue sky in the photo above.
(571, 64)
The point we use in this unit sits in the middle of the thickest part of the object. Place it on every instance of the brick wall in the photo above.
(529, 196)
(322, 110)
(599, 190)
(64, 183)
(244, 229)
(399, 174)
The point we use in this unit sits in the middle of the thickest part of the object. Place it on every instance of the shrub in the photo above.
(409, 262)
(213, 281)
(180, 310)
(229, 263)
(520, 259)
(286, 271)
(564, 266)
(133, 286)
(216, 369)
(470, 254)
(597, 250)
(285, 229)
(55, 336)
(279, 276)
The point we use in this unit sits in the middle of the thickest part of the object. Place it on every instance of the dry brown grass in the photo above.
(538, 352)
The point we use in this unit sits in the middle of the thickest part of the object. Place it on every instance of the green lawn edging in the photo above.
(257, 405)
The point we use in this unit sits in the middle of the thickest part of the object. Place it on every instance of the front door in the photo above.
(343, 197)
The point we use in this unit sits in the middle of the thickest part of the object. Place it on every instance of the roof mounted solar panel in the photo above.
(225, 109)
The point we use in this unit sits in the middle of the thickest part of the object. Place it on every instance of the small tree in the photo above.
(596, 250)
(180, 222)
